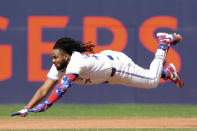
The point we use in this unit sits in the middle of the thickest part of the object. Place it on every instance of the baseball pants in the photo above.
(130, 74)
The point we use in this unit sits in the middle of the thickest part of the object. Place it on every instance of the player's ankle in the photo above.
(163, 74)
(163, 47)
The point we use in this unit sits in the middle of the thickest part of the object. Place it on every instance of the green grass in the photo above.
(106, 110)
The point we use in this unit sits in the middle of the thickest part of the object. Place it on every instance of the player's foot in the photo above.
(172, 74)
(168, 39)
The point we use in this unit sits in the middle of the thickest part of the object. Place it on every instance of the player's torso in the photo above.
(92, 69)
(95, 69)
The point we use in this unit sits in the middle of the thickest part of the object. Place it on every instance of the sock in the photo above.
(163, 47)
(163, 74)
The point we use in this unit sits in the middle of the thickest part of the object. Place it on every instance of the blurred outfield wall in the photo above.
(28, 30)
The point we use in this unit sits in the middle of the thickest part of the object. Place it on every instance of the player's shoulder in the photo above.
(54, 74)
(107, 52)
(76, 54)
(76, 64)
(77, 57)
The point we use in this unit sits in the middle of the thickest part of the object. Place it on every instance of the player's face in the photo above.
(60, 58)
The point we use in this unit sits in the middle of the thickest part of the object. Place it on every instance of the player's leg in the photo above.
(156, 67)
(135, 76)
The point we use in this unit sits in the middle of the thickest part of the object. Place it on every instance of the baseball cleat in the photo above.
(172, 74)
(168, 39)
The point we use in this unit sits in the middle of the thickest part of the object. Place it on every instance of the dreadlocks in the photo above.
(69, 45)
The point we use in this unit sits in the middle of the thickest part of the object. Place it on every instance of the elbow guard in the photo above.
(62, 87)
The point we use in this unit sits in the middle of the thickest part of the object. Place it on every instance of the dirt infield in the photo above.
(79, 123)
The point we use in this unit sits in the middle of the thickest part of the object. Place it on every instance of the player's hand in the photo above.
(23, 112)
(41, 107)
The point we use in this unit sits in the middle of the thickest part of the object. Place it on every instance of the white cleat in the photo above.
(173, 75)
(168, 39)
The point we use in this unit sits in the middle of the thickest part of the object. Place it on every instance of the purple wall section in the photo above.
(132, 13)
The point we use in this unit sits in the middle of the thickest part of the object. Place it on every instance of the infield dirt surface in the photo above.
(81, 123)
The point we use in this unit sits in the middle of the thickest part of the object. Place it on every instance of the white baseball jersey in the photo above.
(91, 69)
(97, 68)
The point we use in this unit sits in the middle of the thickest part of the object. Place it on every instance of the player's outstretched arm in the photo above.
(57, 93)
(38, 96)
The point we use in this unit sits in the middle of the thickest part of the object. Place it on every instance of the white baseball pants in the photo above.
(130, 74)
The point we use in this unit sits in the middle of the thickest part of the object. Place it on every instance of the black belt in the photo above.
(113, 69)
(113, 72)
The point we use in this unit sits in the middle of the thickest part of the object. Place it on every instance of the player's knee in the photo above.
(153, 83)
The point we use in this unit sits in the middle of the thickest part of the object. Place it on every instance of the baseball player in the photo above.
(72, 65)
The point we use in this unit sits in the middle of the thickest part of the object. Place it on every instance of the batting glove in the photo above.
(23, 112)
(41, 107)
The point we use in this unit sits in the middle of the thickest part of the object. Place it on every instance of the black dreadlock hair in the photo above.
(69, 45)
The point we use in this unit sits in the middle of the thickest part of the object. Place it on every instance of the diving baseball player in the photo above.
(72, 65)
